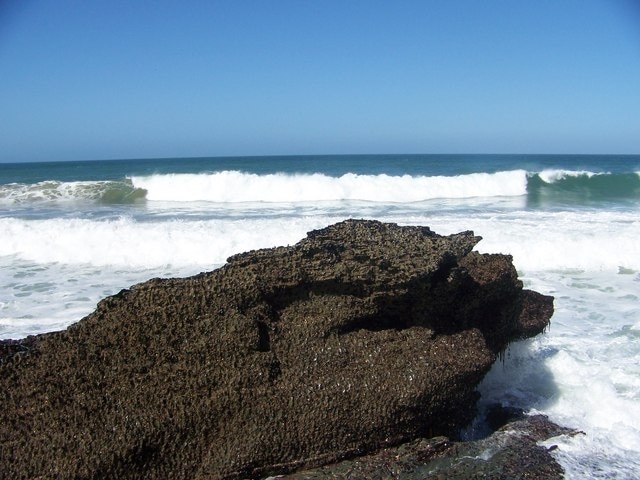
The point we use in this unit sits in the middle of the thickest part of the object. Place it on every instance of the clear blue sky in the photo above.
(126, 79)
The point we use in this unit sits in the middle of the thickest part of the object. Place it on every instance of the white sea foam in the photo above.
(541, 240)
(584, 372)
(235, 186)
(602, 240)
(127, 243)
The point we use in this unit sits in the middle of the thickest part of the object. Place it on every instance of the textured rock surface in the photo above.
(510, 453)
(361, 336)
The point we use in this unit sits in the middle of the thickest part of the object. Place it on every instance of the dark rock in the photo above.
(12, 349)
(498, 415)
(359, 337)
(511, 453)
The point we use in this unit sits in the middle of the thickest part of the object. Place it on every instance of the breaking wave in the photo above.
(231, 186)
(235, 186)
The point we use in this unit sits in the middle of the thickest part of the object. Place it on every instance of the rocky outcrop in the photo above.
(361, 336)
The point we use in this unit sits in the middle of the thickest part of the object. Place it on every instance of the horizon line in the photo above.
(310, 155)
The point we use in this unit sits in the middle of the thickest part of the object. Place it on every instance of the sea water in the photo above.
(72, 233)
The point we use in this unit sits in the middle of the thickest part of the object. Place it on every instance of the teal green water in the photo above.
(333, 165)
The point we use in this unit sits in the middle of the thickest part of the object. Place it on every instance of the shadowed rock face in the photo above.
(361, 336)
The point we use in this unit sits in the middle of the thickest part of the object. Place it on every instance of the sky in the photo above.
(94, 79)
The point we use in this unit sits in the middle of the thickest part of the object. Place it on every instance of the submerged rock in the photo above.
(361, 336)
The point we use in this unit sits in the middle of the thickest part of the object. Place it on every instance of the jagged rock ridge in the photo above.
(361, 336)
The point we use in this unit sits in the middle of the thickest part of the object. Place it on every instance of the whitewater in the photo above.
(72, 233)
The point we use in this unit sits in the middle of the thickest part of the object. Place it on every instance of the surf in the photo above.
(538, 240)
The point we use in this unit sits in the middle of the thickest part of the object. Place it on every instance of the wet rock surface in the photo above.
(510, 453)
(361, 336)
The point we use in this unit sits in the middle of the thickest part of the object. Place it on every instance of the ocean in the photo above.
(72, 233)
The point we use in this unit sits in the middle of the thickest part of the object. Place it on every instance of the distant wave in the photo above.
(231, 186)
(55, 191)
